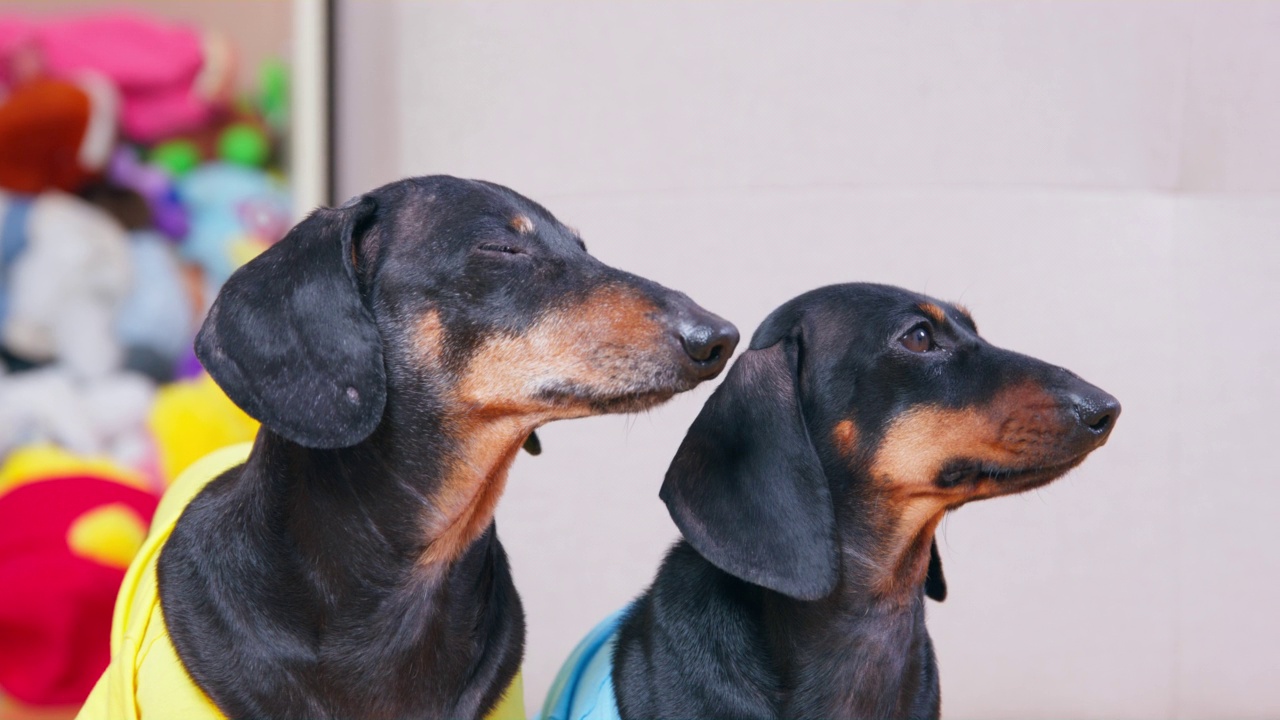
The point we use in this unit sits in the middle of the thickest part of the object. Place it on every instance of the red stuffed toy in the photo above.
(56, 134)
(65, 542)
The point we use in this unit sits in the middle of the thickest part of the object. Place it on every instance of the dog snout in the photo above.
(709, 343)
(1091, 411)
(1096, 411)
(699, 342)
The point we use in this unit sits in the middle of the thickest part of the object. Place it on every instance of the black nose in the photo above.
(709, 341)
(1097, 411)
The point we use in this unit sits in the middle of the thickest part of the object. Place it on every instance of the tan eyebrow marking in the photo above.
(522, 224)
(933, 311)
(846, 437)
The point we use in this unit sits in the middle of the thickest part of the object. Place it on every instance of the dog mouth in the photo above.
(634, 402)
(1007, 479)
(604, 402)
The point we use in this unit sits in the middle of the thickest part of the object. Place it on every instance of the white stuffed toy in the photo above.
(104, 417)
(63, 289)
(65, 272)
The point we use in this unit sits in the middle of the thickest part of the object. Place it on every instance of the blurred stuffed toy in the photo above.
(156, 186)
(64, 273)
(99, 417)
(236, 211)
(109, 253)
(171, 77)
(157, 321)
(158, 318)
(56, 135)
(68, 529)
(191, 419)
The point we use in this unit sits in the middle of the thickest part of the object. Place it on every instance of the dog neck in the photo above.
(422, 499)
(885, 544)
(864, 650)
(852, 655)
(381, 549)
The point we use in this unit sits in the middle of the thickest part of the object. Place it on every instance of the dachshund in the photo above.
(807, 492)
(399, 351)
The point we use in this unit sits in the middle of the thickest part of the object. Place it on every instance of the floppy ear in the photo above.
(290, 340)
(746, 487)
(935, 585)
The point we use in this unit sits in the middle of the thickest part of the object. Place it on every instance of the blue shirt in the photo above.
(583, 690)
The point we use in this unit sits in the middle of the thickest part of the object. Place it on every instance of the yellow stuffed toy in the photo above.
(191, 419)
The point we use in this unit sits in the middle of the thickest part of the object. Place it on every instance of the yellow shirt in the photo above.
(145, 679)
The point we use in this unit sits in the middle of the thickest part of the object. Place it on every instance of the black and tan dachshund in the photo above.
(808, 491)
(399, 351)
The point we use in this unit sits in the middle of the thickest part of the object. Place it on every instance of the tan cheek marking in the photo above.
(428, 338)
(522, 224)
(934, 312)
(600, 344)
(498, 403)
(920, 442)
(1009, 431)
(846, 437)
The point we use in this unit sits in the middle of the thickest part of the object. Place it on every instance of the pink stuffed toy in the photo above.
(171, 77)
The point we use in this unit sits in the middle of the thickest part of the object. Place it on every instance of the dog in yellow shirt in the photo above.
(398, 351)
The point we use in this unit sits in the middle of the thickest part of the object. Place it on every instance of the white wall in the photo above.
(1099, 182)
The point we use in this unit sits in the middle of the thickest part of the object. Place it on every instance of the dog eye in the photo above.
(918, 339)
(501, 248)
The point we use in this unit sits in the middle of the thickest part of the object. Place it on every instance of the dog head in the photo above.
(859, 416)
(440, 293)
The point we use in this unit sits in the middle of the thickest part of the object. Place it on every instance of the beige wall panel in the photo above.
(609, 97)
(1090, 178)
(1225, 350)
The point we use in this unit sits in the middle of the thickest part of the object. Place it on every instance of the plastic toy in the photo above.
(273, 95)
(243, 144)
(176, 157)
(68, 530)
(55, 134)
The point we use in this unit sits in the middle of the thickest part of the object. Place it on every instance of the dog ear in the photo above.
(935, 585)
(746, 486)
(290, 340)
